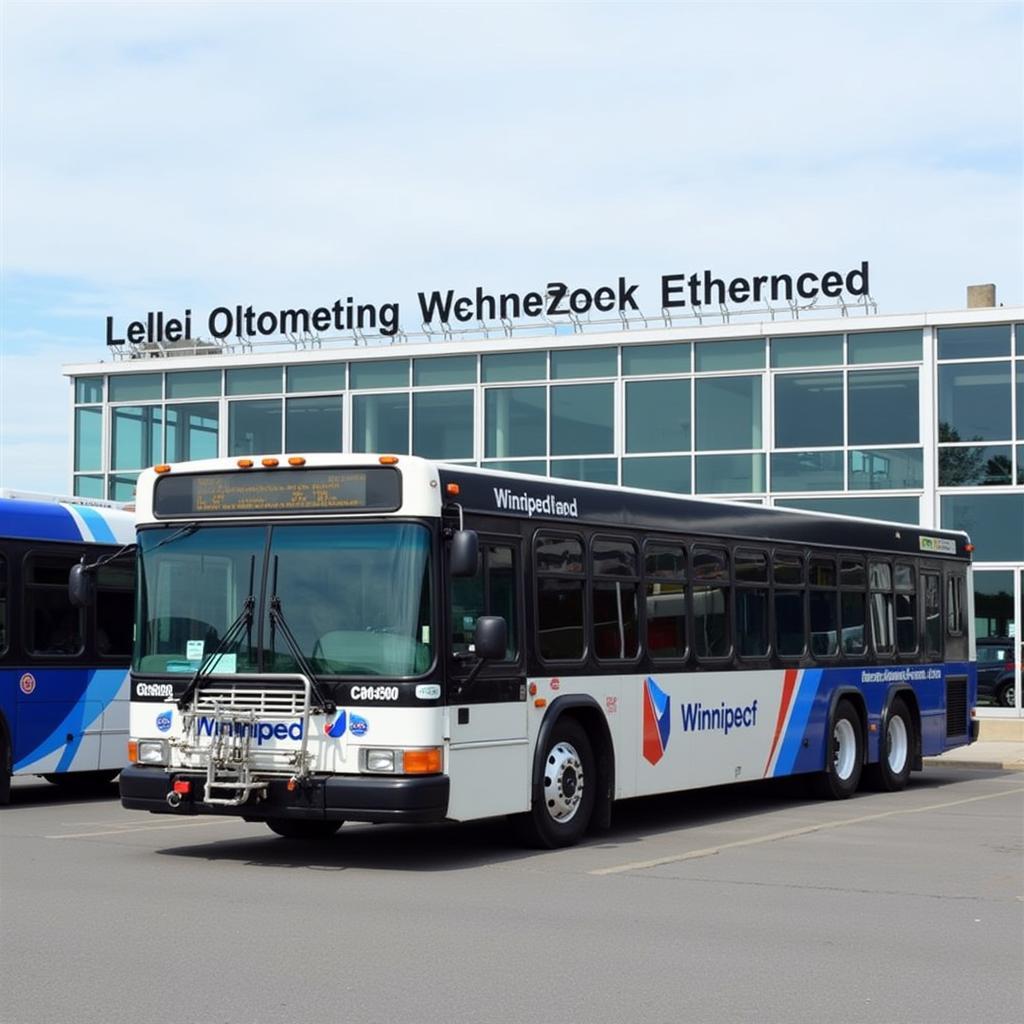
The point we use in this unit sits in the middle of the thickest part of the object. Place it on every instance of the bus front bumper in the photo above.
(374, 798)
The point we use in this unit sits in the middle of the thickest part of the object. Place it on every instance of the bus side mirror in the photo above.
(465, 553)
(490, 638)
(82, 585)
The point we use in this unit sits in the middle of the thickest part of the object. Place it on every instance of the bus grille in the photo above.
(280, 702)
(956, 706)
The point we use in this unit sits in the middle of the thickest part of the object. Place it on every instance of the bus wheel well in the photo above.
(593, 723)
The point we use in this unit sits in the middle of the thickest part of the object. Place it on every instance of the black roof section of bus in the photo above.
(598, 505)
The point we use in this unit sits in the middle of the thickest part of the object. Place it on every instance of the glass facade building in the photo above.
(915, 418)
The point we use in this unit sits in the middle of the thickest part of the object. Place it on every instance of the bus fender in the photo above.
(910, 699)
(856, 698)
(588, 713)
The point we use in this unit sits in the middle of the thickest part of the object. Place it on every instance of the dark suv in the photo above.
(996, 671)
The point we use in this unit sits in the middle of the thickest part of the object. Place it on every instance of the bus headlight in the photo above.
(152, 752)
(377, 760)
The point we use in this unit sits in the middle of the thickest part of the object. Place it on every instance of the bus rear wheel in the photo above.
(562, 809)
(300, 828)
(894, 759)
(844, 754)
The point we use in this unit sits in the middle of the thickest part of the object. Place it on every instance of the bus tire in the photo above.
(844, 754)
(5, 767)
(561, 811)
(300, 828)
(896, 750)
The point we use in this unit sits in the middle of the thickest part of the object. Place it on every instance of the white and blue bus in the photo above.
(386, 639)
(63, 670)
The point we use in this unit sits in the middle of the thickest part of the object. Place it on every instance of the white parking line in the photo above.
(150, 828)
(772, 837)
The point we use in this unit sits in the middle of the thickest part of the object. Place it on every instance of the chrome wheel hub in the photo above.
(563, 782)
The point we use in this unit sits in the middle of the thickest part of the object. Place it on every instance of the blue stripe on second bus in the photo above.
(93, 518)
(37, 520)
(803, 704)
(79, 697)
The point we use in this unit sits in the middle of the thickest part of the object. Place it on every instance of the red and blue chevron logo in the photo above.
(657, 721)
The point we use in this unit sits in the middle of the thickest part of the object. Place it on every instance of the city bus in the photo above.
(366, 638)
(63, 670)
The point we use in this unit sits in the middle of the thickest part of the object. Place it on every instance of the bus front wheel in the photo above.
(303, 829)
(844, 754)
(561, 810)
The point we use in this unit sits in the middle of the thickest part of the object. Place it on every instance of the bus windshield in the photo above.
(356, 597)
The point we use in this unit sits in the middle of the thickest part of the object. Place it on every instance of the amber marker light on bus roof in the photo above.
(968, 547)
(296, 460)
(451, 488)
(269, 463)
(422, 762)
(244, 463)
(162, 468)
(388, 460)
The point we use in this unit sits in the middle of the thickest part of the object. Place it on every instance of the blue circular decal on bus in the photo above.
(357, 726)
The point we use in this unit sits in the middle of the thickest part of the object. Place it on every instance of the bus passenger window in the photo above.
(560, 582)
(788, 576)
(711, 602)
(932, 613)
(824, 608)
(906, 609)
(665, 599)
(852, 581)
(614, 599)
(751, 572)
(954, 592)
(881, 606)
(54, 625)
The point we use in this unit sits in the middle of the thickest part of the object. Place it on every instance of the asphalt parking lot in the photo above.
(747, 903)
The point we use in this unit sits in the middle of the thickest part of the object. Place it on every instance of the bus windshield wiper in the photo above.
(242, 621)
(277, 621)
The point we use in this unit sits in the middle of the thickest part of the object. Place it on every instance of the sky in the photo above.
(192, 155)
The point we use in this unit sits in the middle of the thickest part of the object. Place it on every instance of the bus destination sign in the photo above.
(271, 492)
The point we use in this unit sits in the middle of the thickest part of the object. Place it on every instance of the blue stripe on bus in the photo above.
(101, 531)
(102, 686)
(36, 520)
(803, 702)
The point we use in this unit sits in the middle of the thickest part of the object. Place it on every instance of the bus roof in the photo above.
(64, 519)
(571, 503)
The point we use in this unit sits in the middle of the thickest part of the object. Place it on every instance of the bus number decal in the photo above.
(374, 693)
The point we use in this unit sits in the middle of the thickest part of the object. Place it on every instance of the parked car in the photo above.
(996, 671)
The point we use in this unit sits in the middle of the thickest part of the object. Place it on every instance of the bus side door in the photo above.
(489, 763)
